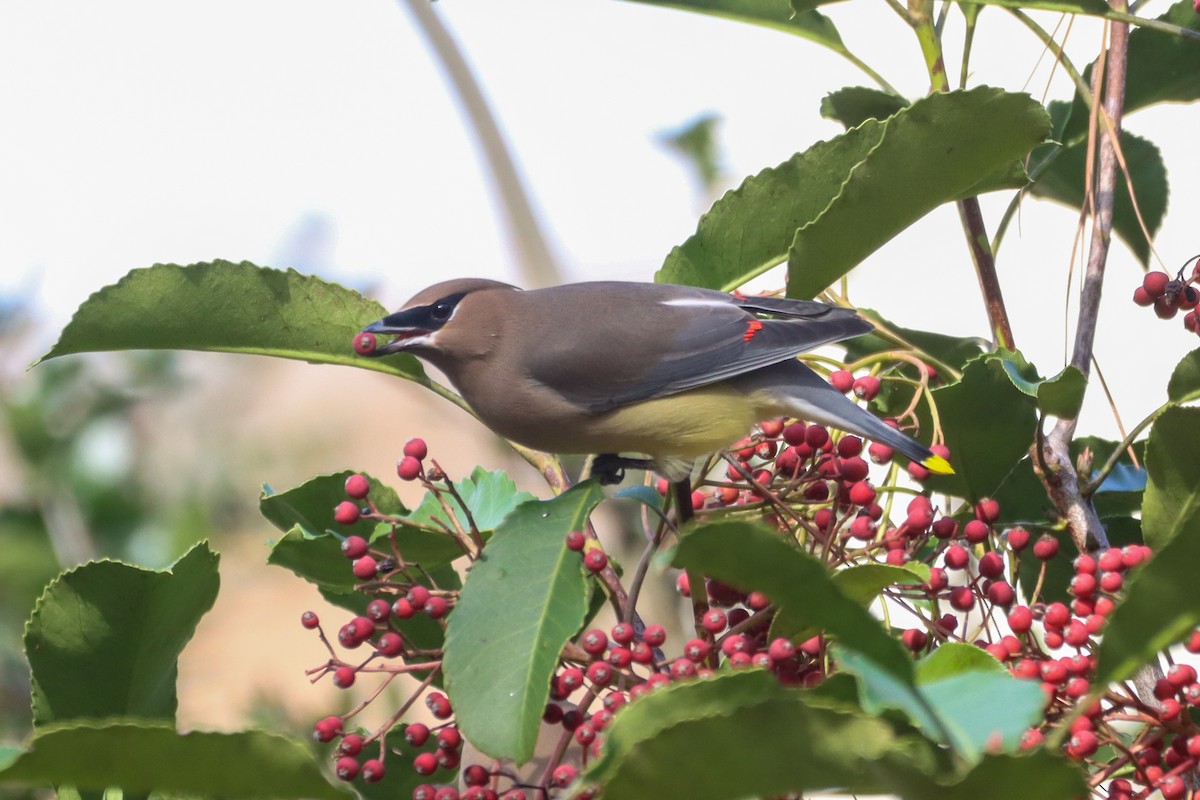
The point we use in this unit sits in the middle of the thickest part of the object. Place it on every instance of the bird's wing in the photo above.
(657, 343)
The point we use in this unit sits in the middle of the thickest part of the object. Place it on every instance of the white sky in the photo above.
(142, 132)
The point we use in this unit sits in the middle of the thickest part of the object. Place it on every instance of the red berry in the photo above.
(1111, 582)
(944, 527)
(600, 673)
(357, 486)
(1082, 744)
(408, 468)
(863, 527)
(920, 513)
(595, 559)
(309, 620)
(417, 734)
(346, 768)
(576, 540)
(853, 469)
(1046, 547)
(1001, 593)
(1142, 298)
(962, 598)
(364, 344)
(563, 775)
(1181, 675)
(880, 453)
(403, 609)
(416, 448)
(436, 607)
(620, 657)
(354, 547)
(841, 380)
(1083, 585)
(569, 680)
(622, 633)
(372, 770)
(449, 738)
(1018, 539)
(696, 650)
(816, 437)
(425, 763)
(1155, 283)
(365, 568)
(861, 494)
(1165, 307)
(771, 428)
(476, 775)
(866, 387)
(714, 620)
(849, 446)
(1057, 616)
(378, 610)
(654, 635)
(1172, 787)
(343, 677)
(594, 642)
(438, 705)
(781, 649)
(987, 510)
(991, 565)
(1020, 619)
(914, 639)
(327, 729)
(957, 557)
(976, 531)
(390, 645)
(918, 472)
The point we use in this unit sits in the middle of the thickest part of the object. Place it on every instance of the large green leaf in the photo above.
(524, 598)
(104, 638)
(1184, 386)
(1060, 396)
(231, 308)
(1162, 603)
(774, 14)
(741, 734)
(989, 425)
(854, 105)
(962, 697)
(141, 757)
(828, 207)
(934, 151)
(751, 557)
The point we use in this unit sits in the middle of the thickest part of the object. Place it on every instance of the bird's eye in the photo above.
(440, 311)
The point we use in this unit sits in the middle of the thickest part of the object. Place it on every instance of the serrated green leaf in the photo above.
(1060, 396)
(751, 557)
(929, 153)
(1184, 386)
(1162, 600)
(1171, 507)
(743, 735)
(774, 14)
(989, 426)
(961, 698)
(750, 229)
(524, 598)
(231, 308)
(490, 496)
(140, 757)
(1063, 182)
(104, 637)
(854, 105)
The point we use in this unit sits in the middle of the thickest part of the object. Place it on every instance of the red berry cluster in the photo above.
(790, 462)
(1170, 295)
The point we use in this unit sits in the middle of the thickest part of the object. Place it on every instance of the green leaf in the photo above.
(1063, 182)
(1184, 386)
(862, 583)
(741, 735)
(490, 496)
(230, 308)
(751, 557)
(930, 153)
(1172, 500)
(524, 598)
(953, 351)
(774, 14)
(833, 204)
(1162, 601)
(854, 105)
(104, 637)
(1040, 775)
(1162, 67)
(1060, 396)
(141, 757)
(989, 426)
(963, 697)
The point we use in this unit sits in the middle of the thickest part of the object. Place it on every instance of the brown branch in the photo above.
(1062, 482)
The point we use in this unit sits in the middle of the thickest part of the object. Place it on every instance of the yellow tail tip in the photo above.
(938, 465)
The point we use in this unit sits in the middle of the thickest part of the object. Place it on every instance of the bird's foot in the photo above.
(609, 468)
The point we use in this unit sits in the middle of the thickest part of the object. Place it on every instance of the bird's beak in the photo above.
(394, 325)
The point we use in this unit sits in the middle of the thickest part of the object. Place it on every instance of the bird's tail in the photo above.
(790, 388)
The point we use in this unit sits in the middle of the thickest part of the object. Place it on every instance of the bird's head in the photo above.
(431, 310)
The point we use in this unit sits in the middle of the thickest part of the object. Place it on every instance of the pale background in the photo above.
(322, 136)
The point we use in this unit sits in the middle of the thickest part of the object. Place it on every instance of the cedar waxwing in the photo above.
(672, 372)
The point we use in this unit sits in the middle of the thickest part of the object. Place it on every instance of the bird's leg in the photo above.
(609, 468)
